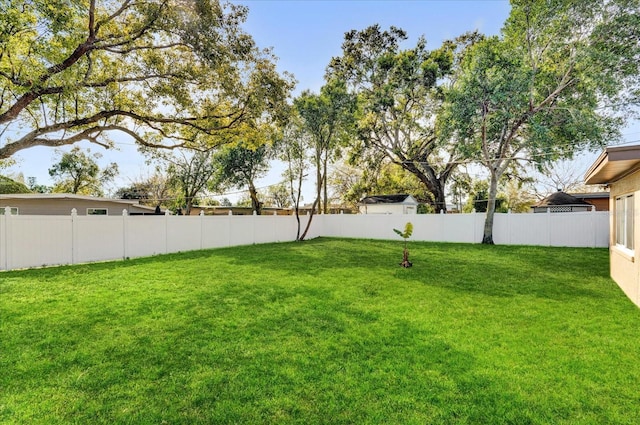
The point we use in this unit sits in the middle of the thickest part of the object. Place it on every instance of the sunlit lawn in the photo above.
(327, 331)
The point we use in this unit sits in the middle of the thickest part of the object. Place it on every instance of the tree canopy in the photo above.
(8, 186)
(78, 172)
(400, 95)
(240, 166)
(166, 72)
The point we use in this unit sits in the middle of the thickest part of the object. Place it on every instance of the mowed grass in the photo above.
(323, 332)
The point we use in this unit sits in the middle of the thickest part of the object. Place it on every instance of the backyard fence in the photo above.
(34, 241)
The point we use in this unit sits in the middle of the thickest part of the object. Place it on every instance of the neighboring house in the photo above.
(388, 204)
(619, 168)
(600, 200)
(63, 203)
(222, 210)
(561, 202)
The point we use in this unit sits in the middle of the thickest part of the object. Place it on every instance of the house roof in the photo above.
(613, 164)
(591, 195)
(70, 196)
(560, 198)
(387, 199)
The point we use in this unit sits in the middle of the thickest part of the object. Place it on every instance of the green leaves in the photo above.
(166, 73)
(406, 233)
(78, 172)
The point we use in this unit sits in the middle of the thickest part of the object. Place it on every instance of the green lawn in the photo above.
(326, 331)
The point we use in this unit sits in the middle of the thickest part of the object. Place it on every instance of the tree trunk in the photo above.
(324, 185)
(433, 183)
(255, 203)
(405, 259)
(317, 203)
(439, 198)
(487, 237)
(306, 229)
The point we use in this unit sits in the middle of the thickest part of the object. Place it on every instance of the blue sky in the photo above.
(306, 34)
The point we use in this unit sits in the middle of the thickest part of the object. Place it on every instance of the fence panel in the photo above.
(601, 224)
(216, 231)
(145, 236)
(34, 242)
(3, 241)
(98, 238)
(576, 229)
(184, 233)
(264, 228)
(286, 228)
(521, 229)
(241, 229)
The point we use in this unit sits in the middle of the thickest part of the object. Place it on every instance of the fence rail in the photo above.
(34, 241)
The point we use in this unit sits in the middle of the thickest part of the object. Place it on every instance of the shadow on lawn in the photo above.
(502, 271)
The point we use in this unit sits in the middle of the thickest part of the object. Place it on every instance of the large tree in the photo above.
(355, 182)
(78, 172)
(240, 166)
(168, 73)
(548, 87)
(152, 190)
(189, 174)
(400, 95)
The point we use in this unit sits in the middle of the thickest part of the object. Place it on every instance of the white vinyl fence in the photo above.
(34, 241)
(576, 229)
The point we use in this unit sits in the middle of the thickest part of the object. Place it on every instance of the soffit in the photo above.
(613, 164)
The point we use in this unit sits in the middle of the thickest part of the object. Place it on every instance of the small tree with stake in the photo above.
(406, 234)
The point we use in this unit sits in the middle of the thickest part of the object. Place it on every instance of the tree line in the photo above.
(209, 109)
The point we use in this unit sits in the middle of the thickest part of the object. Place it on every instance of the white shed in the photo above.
(388, 204)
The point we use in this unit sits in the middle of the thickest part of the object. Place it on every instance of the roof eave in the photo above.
(613, 164)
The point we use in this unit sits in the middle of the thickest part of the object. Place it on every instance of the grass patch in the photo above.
(326, 331)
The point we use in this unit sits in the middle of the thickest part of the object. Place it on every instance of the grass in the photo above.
(323, 332)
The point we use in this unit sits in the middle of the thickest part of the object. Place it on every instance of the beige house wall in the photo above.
(64, 206)
(625, 265)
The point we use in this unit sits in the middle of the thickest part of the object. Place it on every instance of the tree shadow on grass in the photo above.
(499, 271)
(553, 273)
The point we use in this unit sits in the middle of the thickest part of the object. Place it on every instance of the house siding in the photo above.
(625, 266)
(601, 204)
(64, 206)
(388, 209)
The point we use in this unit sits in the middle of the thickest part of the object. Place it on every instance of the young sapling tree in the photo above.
(406, 234)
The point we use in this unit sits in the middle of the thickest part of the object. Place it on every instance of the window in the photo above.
(96, 211)
(13, 210)
(624, 221)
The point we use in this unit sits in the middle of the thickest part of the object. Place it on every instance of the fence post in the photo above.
(74, 236)
(4, 260)
(509, 227)
(253, 226)
(201, 228)
(593, 222)
(229, 218)
(125, 231)
(548, 226)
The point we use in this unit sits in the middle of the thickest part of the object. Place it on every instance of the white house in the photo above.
(388, 204)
